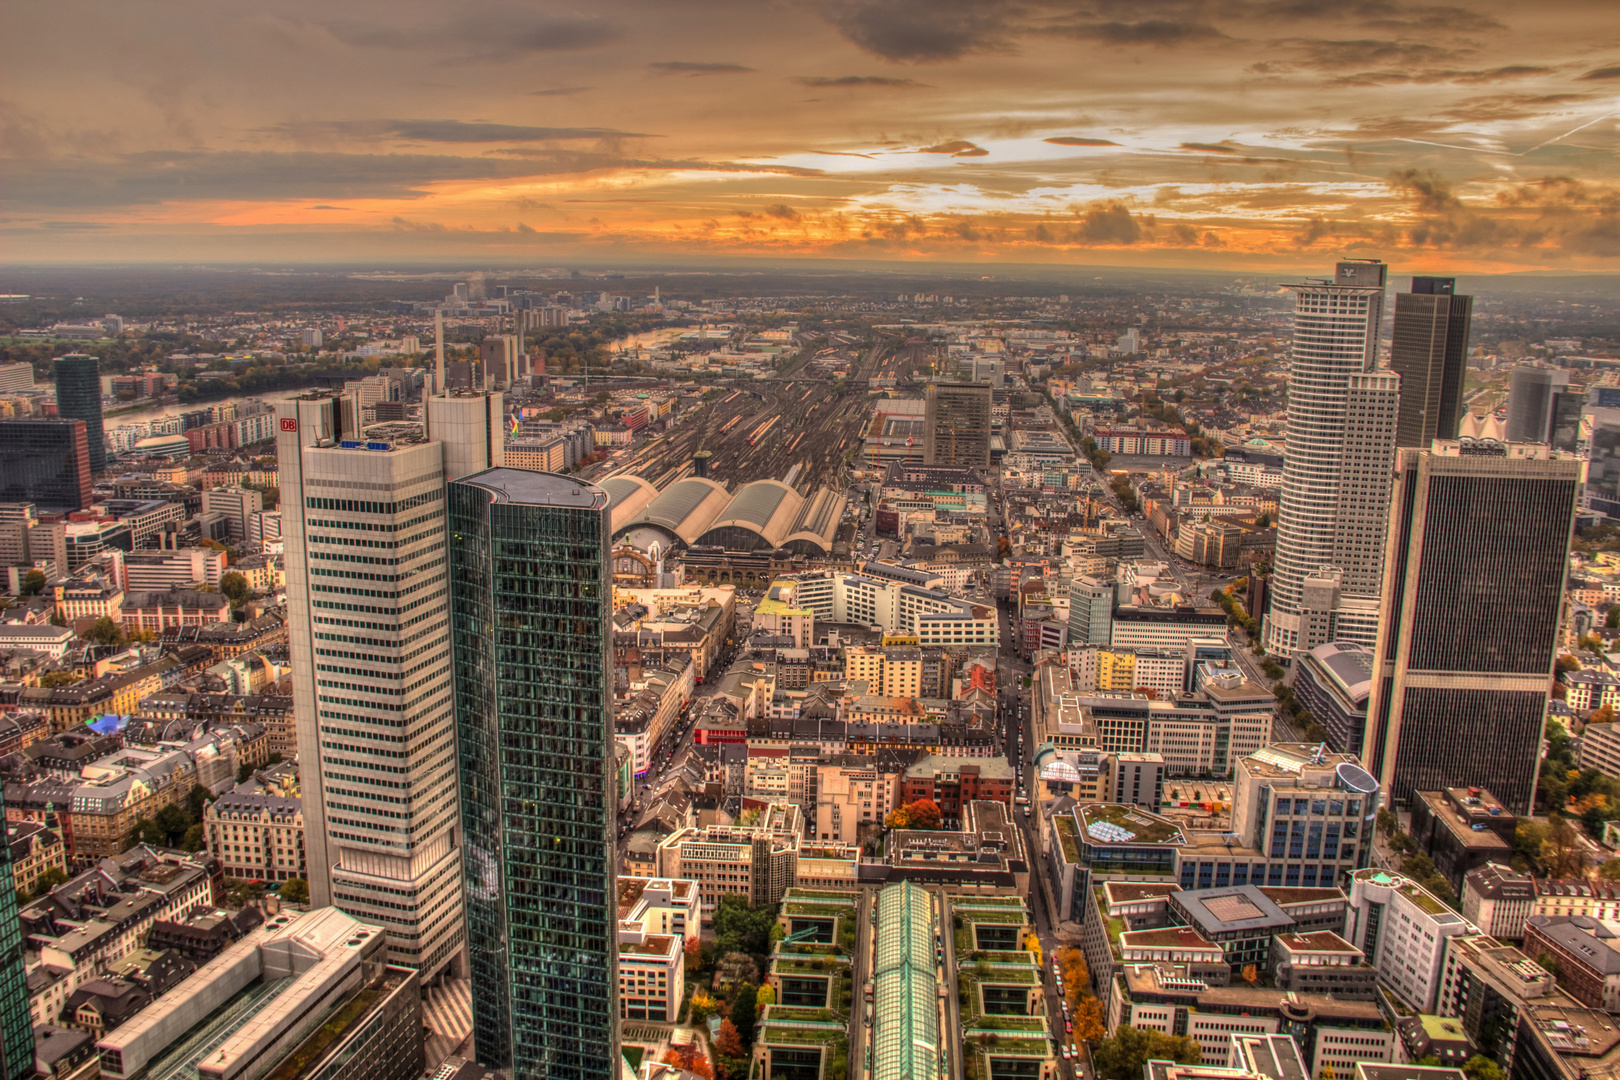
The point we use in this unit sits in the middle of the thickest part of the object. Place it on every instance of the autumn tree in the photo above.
(924, 814)
(1089, 1026)
(729, 1042)
(898, 818)
(1251, 974)
(690, 1058)
(1129, 1049)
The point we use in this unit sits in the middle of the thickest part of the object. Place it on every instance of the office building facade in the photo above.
(1335, 341)
(369, 635)
(45, 462)
(78, 397)
(1429, 351)
(957, 424)
(1533, 394)
(533, 691)
(1478, 545)
(16, 1024)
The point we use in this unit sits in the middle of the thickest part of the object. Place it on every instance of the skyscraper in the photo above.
(16, 1025)
(78, 397)
(1477, 546)
(1531, 397)
(45, 462)
(531, 604)
(956, 424)
(1429, 351)
(1091, 611)
(1333, 454)
(363, 521)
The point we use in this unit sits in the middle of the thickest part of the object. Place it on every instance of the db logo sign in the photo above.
(289, 424)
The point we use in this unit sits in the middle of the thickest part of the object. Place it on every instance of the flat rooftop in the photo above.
(1111, 823)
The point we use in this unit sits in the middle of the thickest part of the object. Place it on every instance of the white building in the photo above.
(1337, 443)
(370, 648)
(1402, 929)
(655, 917)
(936, 618)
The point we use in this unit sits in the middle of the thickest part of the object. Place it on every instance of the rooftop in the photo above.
(1111, 823)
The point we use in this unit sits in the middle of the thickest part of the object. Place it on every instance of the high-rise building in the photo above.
(956, 424)
(45, 462)
(500, 356)
(1477, 550)
(531, 603)
(78, 397)
(364, 530)
(1531, 396)
(1091, 611)
(1603, 473)
(1564, 420)
(1429, 351)
(16, 1024)
(1341, 432)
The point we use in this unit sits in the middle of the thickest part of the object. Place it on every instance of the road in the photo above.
(860, 971)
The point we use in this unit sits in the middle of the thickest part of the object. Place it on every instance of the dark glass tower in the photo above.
(1429, 351)
(534, 732)
(78, 397)
(45, 462)
(16, 1024)
(1473, 591)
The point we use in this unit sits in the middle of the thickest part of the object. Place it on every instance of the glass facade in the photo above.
(16, 1025)
(45, 462)
(78, 397)
(534, 733)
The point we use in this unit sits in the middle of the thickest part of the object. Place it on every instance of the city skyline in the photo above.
(1250, 134)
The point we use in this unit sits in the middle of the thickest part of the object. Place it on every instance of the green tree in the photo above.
(105, 632)
(49, 878)
(148, 831)
(1124, 1055)
(243, 771)
(741, 928)
(197, 800)
(1611, 620)
(174, 822)
(1480, 1067)
(34, 582)
(194, 840)
(1610, 870)
(235, 587)
(742, 1013)
(295, 890)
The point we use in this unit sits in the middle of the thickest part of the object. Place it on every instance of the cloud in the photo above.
(1111, 224)
(559, 91)
(442, 131)
(1500, 74)
(1324, 53)
(921, 31)
(782, 211)
(489, 35)
(1209, 148)
(324, 206)
(1148, 32)
(857, 80)
(955, 148)
(1603, 73)
(1078, 140)
(695, 68)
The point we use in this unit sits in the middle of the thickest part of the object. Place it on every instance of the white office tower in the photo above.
(368, 607)
(1334, 503)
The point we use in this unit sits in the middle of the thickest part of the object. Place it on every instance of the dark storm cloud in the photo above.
(922, 30)
(693, 67)
(1147, 32)
(856, 80)
(1076, 140)
(442, 131)
(160, 176)
(1603, 73)
(491, 34)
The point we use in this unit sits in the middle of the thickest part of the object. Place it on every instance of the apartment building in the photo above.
(1402, 929)
(256, 837)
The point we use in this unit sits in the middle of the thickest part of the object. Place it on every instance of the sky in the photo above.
(1246, 135)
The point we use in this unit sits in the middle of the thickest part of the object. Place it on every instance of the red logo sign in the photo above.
(289, 424)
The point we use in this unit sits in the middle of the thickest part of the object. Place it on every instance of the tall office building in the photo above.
(46, 462)
(363, 522)
(1477, 551)
(531, 606)
(1091, 611)
(1340, 428)
(1564, 420)
(1532, 393)
(1603, 472)
(1429, 351)
(956, 424)
(16, 1023)
(78, 397)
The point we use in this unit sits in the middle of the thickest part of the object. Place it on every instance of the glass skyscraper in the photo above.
(16, 1024)
(534, 731)
(78, 397)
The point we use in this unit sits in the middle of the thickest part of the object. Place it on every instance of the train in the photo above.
(760, 432)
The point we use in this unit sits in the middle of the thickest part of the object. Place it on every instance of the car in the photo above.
(1068, 1026)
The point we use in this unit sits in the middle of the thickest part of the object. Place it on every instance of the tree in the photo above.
(194, 840)
(1480, 1067)
(175, 823)
(1089, 1025)
(1568, 663)
(729, 1041)
(924, 814)
(702, 1007)
(1603, 714)
(1561, 852)
(1328, 1073)
(691, 1058)
(765, 995)
(243, 771)
(235, 587)
(148, 831)
(1387, 821)
(295, 890)
(197, 800)
(737, 967)
(743, 1013)
(49, 878)
(1611, 620)
(51, 680)
(1251, 974)
(1123, 1056)
(694, 953)
(1262, 521)
(1610, 870)
(741, 928)
(105, 632)
(898, 818)
(33, 583)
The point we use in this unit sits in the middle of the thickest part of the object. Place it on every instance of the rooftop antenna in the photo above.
(438, 350)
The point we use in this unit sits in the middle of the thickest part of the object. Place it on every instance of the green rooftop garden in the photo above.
(1000, 918)
(1148, 830)
(1420, 896)
(1001, 956)
(778, 1035)
(1068, 836)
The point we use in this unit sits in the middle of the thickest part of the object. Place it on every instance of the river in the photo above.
(153, 412)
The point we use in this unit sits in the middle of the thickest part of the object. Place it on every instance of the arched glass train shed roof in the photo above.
(763, 515)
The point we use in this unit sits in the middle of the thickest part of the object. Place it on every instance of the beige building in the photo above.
(655, 917)
(889, 672)
(256, 837)
(759, 857)
(34, 850)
